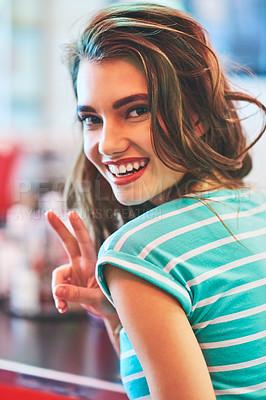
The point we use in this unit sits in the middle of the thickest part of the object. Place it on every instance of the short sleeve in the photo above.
(147, 244)
(145, 270)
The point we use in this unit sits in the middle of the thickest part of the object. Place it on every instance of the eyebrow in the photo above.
(118, 103)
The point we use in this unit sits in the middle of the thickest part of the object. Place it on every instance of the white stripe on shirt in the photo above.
(133, 377)
(127, 354)
(122, 240)
(231, 317)
(106, 243)
(212, 245)
(241, 390)
(234, 367)
(233, 342)
(199, 224)
(225, 267)
(144, 270)
(235, 290)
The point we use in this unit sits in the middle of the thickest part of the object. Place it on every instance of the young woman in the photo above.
(162, 138)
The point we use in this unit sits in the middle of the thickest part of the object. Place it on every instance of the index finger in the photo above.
(68, 240)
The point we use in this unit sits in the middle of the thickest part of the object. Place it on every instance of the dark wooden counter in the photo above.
(70, 356)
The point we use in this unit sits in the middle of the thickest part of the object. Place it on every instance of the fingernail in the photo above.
(73, 214)
(60, 291)
(47, 212)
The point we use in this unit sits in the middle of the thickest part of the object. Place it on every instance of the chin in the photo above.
(129, 201)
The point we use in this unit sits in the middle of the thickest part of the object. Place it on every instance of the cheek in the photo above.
(91, 151)
(87, 150)
(88, 147)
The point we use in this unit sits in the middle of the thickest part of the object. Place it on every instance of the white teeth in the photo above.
(114, 169)
(129, 167)
(122, 169)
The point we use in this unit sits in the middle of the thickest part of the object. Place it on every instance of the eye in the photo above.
(90, 121)
(137, 111)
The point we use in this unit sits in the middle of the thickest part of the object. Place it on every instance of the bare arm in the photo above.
(162, 338)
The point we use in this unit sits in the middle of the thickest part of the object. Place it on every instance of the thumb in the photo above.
(76, 294)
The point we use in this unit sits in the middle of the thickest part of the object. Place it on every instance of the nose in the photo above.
(113, 139)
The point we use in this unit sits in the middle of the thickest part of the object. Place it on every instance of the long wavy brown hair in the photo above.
(184, 80)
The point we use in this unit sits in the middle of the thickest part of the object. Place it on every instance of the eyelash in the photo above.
(98, 120)
(84, 117)
(136, 108)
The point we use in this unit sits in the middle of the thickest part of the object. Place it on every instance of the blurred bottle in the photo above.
(10, 156)
(25, 291)
(32, 253)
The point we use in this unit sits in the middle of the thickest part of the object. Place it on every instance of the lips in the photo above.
(127, 170)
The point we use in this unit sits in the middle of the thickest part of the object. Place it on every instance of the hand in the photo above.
(76, 281)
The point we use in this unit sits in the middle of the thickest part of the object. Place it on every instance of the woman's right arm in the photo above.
(75, 281)
(162, 338)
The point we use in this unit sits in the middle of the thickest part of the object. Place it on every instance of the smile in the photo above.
(127, 168)
(127, 171)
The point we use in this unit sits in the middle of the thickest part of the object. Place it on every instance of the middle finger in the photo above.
(85, 243)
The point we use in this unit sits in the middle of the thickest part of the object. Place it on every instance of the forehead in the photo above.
(109, 78)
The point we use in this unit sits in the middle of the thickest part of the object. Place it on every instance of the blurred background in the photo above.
(39, 136)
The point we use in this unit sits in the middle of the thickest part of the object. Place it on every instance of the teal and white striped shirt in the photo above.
(183, 248)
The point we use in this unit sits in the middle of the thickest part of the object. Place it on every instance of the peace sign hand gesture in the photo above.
(76, 281)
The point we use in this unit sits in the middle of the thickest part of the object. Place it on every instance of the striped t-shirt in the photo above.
(219, 279)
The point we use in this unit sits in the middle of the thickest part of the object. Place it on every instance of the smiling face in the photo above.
(113, 107)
